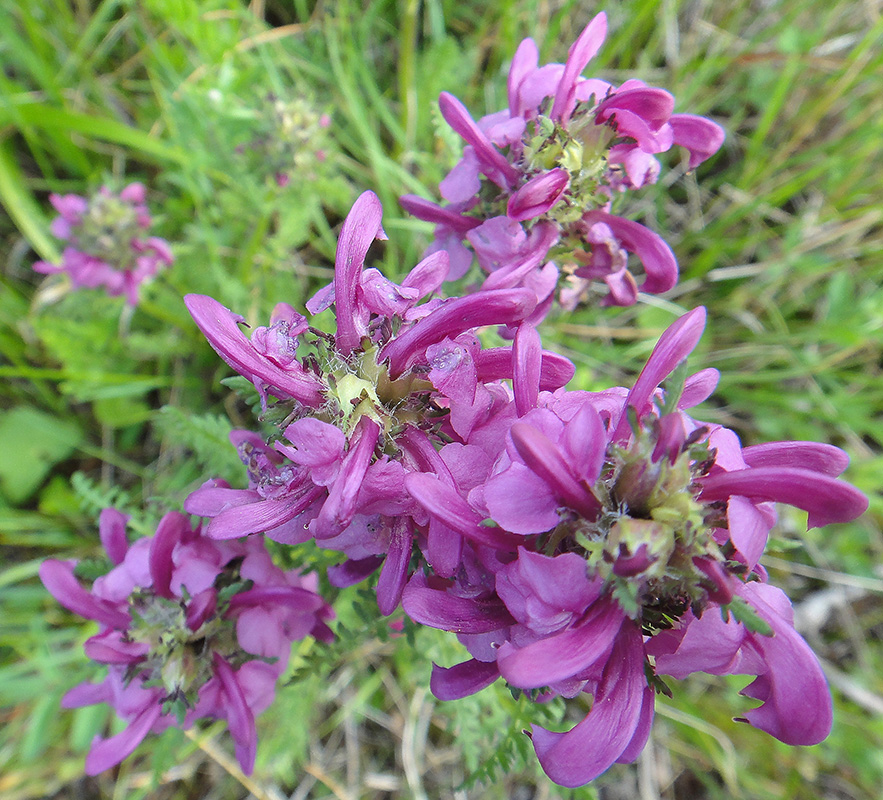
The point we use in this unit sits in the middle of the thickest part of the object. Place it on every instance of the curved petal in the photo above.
(563, 655)
(107, 753)
(112, 531)
(702, 137)
(240, 720)
(652, 105)
(58, 578)
(580, 53)
(660, 265)
(261, 516)
(360, 228)
(432, 212)
(445, 504)
(698, 388)
(173, 527)
(574, 758)
(500, 307)
(340, 506)
(796, 702)
(493, 162)
(428, 276)
(438, 609)
(527, 356)
(824, 498)
(462, 680)
(520, 501)
(524, 62)
(824, 458)
(394, 572)
(545, 459)
(495, 364)
(538, 195)
(218, 325)
(678, 341)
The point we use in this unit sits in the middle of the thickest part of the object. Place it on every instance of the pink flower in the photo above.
(613, 527)
(557, 156)
(108, 246)
(189, 628)
(357, 405)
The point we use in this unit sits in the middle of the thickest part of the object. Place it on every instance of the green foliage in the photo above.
(33, 442)
(208, 437)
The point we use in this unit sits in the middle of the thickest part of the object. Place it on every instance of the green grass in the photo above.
(780, 236)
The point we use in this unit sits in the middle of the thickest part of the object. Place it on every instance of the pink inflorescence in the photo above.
(577, 542)
(363, 408)
(190, 629)
(634, 536)
(532, 193)
(107, 241)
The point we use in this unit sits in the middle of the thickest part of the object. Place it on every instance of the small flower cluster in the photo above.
(293, 139)
(107, 245)
(533, 191)
(190, 629)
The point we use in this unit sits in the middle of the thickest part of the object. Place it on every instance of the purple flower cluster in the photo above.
(190, 629)
(637, 536)
(107, 241)
(363, 408)
(533, 191)
(581, 545)
(577, 542)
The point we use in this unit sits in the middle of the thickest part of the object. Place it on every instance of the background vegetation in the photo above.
(780, 236)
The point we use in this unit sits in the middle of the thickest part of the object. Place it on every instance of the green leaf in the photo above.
(21, 206)
(51, 118)
(33, 442)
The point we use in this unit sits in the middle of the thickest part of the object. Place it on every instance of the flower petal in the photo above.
(824, 498)
(500, 307)
(702, 137)
(562, 655)
(580, 53)
(240, 720)
(678, 341)
(538, 195)
(574, 758)
(462, 680)
(660, 265)
(493, 162)
(172, 528)
(107, 753)
(112, 531)
(218, 325)
(360, 228)
(438, 609)
(58, 578)
(796, 700)
(445, 504)
(527, 356)
(816, 456)
(394, 572)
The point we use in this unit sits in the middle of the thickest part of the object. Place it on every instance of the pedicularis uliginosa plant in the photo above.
(581, 545)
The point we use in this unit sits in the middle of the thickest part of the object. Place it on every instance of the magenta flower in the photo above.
(556, 157)
(620, 529)
(364, 408)
(107, 242)
(190, 628)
